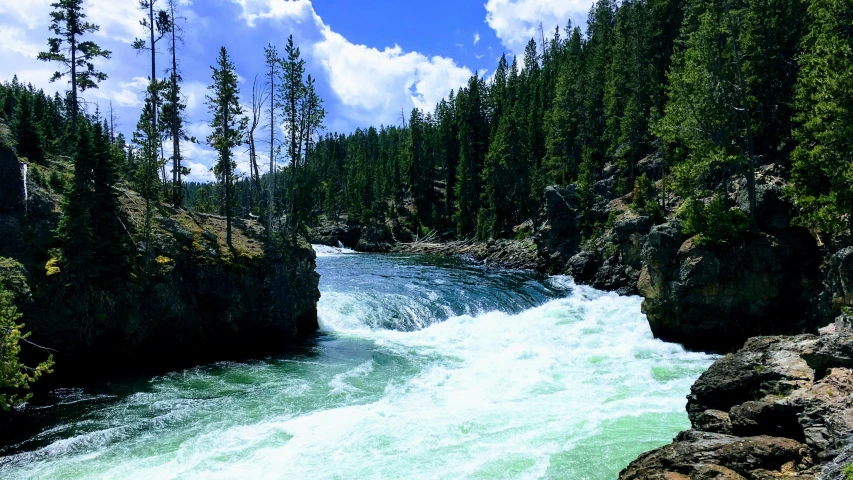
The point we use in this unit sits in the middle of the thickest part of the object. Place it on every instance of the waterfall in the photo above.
(26, 195)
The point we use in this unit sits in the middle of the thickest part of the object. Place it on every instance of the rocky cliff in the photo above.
(189, 299)
(706, 297)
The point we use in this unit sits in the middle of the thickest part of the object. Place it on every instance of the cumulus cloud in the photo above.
(254, 10)
(377, 84)
(476, 38)
(27, 13)
(372, 85)
(517, 21)
(122, 94)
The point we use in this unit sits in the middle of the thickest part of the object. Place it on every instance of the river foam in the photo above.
(506, 375)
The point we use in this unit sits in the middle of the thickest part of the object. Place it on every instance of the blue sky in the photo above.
(371, 59)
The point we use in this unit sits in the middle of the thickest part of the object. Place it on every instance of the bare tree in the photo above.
(259, 98)
(272, 62)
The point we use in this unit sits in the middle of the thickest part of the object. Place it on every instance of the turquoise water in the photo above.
(425, 368)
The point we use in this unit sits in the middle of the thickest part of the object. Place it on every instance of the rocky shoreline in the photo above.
(781, 407)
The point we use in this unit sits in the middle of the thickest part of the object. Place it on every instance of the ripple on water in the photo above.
(426, 368)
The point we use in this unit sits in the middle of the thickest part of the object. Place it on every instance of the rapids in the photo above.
(424, 368)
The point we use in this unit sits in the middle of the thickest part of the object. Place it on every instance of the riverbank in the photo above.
(183, 297)
(781, 407)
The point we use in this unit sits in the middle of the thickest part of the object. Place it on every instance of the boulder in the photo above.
(374, 238)
(713, 298)
(696, 454)
(771, 207)
(558, 237)
(336, 235)
(837, 290)
(582, 266)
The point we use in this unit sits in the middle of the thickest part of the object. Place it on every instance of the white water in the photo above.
(327, 251)
(573, 388)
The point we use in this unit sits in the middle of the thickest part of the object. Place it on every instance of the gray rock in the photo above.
(772, 208)
(785, 418)
(714, 298)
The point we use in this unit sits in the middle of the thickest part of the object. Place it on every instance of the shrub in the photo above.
(56, 181)
(645, 198)
(714, 223)
(14, 376)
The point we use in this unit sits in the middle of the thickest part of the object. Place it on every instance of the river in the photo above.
(424, 368)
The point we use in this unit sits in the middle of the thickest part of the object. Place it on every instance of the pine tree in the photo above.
(75, 227)
(822, 168)
(144, 162)
(291, 93)
(158, 23)
(272, 63)
(112, 261)
(14, 375)
(173, 111)
(69, 25)
(563, 152)
(28, 131)
(228, 126)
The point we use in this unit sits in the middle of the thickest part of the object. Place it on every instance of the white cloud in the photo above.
(377, 84)
(15, 40)
(254, 10)
(27, 13)
(195, 93)
(119, 20)
(476, 38)
(372, 85)
(517, 21)
(125, 94)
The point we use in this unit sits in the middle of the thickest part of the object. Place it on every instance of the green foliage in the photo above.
(75, 55)
(56, 182)
(848, 471)
(645, 200)
(611, 220)
(145, 161)
(822, 166)
(228, 129)
(714, 223)
(15, 377)
(29, 139)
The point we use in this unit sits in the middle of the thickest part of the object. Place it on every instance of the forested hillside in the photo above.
(97, 254)
(675, 101)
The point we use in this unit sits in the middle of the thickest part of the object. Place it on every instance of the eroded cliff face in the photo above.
(188, 299)
(710, 298)
(781, 407)
(714, 298)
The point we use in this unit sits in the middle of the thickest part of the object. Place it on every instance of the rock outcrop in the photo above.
(12, 185)
(713, 298)
(558, 237)
(514, 254)
(781, 407)
(837, 293)
(371, 238)
(189, 298)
